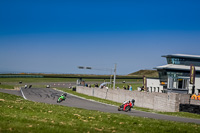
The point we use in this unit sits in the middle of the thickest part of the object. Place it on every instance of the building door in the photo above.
(183, 83)
(180, 83)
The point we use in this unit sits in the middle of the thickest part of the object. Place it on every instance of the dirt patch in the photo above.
(2, 100)
(16, 88)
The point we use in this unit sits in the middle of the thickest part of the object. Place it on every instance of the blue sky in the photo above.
(57, 36)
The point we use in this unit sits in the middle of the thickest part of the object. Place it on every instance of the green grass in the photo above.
(179, 114)
(117, 80)
(33, 80)
(3, 86)
(85, 76)
(134, 86)
(19, 115)
(15, 81)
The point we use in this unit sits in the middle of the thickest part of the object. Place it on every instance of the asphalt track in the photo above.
(47, 95)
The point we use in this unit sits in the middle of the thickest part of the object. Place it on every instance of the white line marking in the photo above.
(23, 94)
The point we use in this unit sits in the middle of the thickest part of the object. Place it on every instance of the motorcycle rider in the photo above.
(63, 96)
(129, 102)
(133, 102)
(125, 102)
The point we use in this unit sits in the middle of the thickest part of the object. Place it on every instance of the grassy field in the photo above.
(15, 81)
(120, 85)
(31, 80)
(134, 85)
(3, 86)
(19, 115)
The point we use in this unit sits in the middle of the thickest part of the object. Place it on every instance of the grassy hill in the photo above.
(148, 73)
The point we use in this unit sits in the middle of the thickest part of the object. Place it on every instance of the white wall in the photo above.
(154, 84)
(197, 85)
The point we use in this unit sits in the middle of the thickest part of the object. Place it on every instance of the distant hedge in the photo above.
(66, 76)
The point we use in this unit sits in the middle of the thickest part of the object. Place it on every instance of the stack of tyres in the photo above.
(190, 108)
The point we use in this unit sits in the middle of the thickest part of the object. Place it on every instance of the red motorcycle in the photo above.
(127, 106)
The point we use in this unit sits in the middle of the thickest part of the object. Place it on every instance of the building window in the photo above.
(175, 61)
(169, 61)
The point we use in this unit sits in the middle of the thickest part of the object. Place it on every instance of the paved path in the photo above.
(50, 96)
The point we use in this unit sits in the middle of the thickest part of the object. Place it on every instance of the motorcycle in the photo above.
(61, 98)
(127, 106)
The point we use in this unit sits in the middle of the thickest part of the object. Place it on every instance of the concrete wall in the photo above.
(195, 102)
(157, 101)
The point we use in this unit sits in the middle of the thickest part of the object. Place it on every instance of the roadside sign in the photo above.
(192, 74)
(145, 82)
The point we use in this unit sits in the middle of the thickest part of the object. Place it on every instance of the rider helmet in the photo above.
(133, 101)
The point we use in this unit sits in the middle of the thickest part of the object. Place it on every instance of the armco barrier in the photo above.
(158, 101)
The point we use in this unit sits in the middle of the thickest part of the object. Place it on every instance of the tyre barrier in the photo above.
(190, 108)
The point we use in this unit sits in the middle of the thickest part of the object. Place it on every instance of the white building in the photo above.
(153, 85)
(175, 76)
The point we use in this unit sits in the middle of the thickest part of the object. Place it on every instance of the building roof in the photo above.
(183, 56)
(177, 67)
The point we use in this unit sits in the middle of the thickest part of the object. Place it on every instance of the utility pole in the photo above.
(82, 67)
(114, 75)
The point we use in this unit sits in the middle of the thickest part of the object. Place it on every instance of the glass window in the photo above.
(169, 61)
(183, 61)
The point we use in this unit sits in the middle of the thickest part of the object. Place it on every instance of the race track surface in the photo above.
(47, 95)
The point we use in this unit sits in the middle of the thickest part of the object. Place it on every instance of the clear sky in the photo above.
(56, 36)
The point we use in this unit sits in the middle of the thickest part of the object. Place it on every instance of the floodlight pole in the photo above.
(111, 78)
(82, 67)
(114, 76)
